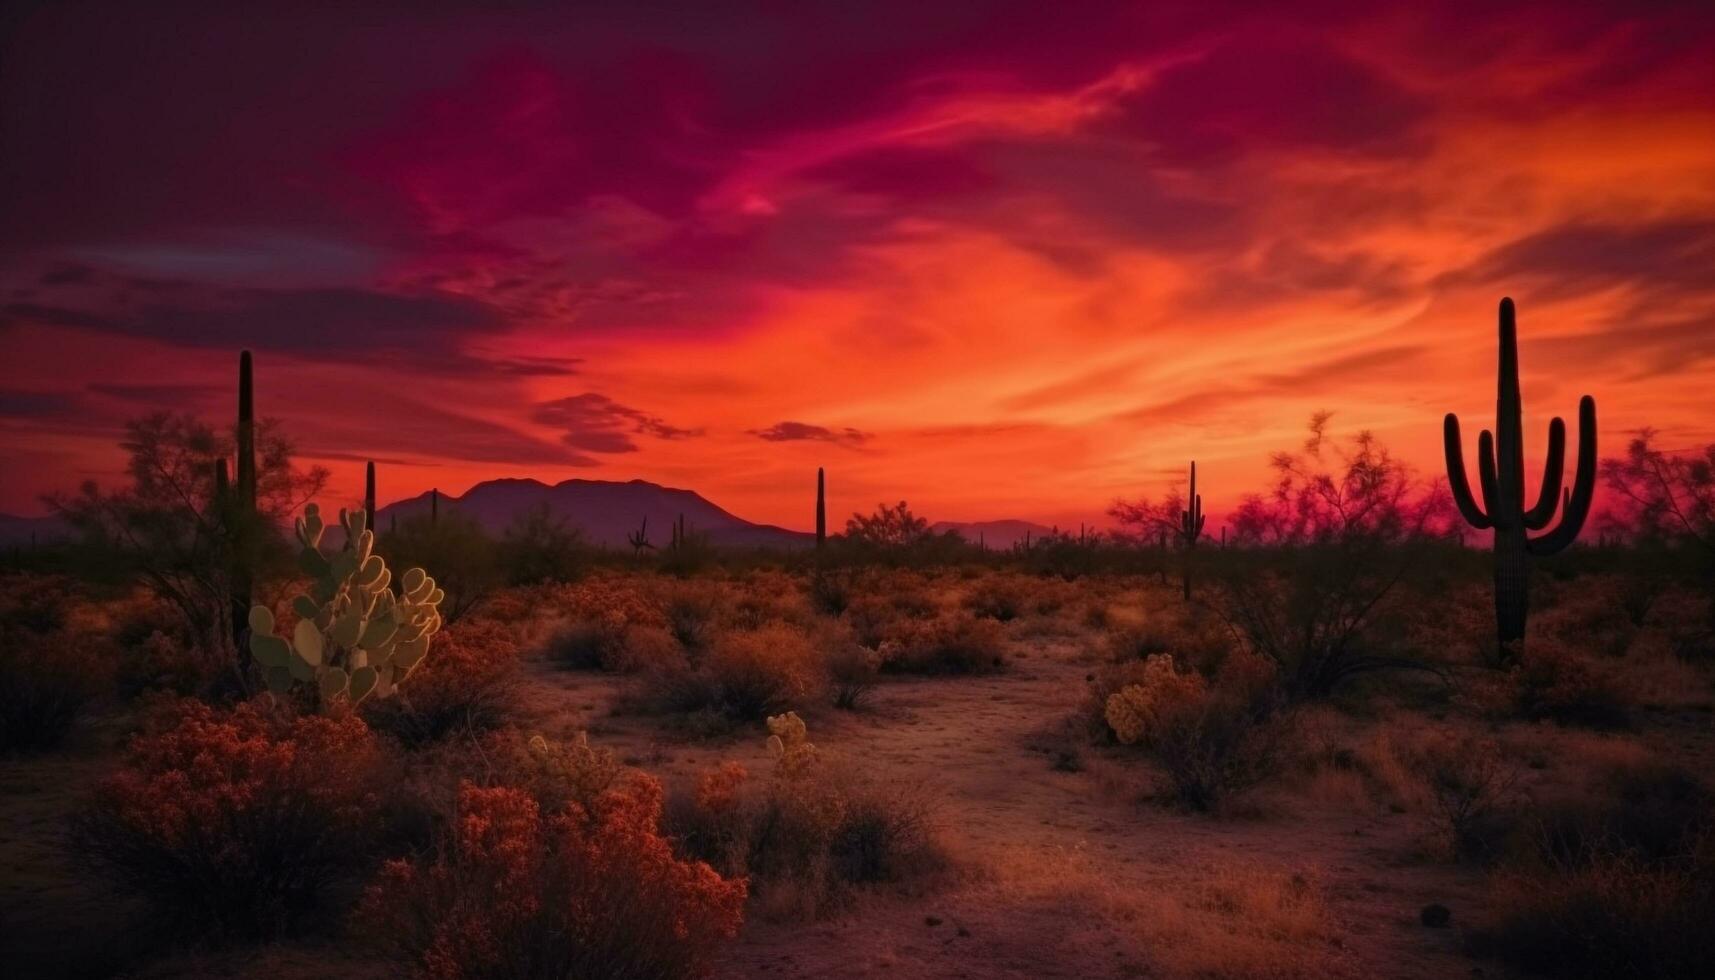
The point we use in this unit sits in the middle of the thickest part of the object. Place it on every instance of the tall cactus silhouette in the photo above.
(244, 528)
(1500, 461)
(821, 509)
(434, 506)
(369, 495)
(1191, 521)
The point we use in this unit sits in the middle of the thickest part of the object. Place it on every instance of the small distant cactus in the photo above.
(355, 636)
(821, 508)
(1191, 521)
(639, 539)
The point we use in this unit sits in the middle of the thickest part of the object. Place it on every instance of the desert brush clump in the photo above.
(813, 831)
(951, 643)
(47, 682)
(1212, 739)
(746, 675)
(354, 636)
(235, 822)
(520, 889)
(467, 687)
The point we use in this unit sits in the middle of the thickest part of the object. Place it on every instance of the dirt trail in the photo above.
(1067, 874)
(1073, 877)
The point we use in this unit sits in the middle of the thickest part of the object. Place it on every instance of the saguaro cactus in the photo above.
(1500, 464)
(434, 506)
(244, 527)
(821, 508)
(1191, 526)
(369, 495)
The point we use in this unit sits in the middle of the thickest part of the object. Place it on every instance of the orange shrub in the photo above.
(953, 643)
(579, 893)
(467, 685)
(235, 820)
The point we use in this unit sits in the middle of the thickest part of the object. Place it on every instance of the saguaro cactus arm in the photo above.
(1548, 498)
(1577, 507)
(1457, 482)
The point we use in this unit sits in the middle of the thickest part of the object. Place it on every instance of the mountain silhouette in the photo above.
(605, 510)
(994, 534)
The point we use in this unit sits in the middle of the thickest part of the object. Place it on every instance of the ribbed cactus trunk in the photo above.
(369, 495)
(1500, 461)
(821, 509)
(245, 525)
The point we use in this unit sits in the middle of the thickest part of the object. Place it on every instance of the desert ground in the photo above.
(1407, 824)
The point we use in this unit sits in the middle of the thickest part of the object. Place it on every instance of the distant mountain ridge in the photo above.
(23, 530)
(607, 511)
(994, 534)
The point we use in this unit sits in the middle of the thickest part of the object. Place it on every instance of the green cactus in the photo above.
(355, 636)
(1191, 521)
(1501, 470)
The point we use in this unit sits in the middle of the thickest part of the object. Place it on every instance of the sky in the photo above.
(997, 259)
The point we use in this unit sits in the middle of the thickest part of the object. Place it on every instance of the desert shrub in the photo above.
(745, 676)
(1318, 562)
(1647, 809)
(831, 589)
(1553, 682)
(1472, 791)
(33, 603)
(761, 672)
(539, 547)
(600, 616)
(576, 892)
(996, 598)
(1614, 916)
(953, 643)
(1212, 740)
(692, 611)
(852, 673)
(465, 559)
(235, 821)
(47, 681)
(467, 686)
(815, 828)
(595, 642)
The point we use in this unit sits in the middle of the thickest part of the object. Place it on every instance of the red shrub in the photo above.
(234, 820)
(465, 685)
(581, 893)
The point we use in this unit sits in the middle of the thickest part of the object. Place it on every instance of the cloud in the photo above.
(1670, 258)
(803, 431)
(598, 424)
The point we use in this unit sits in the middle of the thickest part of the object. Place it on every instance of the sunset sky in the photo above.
(1001, 260)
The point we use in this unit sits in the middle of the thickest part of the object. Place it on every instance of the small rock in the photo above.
(1436, 916)
(931, 921)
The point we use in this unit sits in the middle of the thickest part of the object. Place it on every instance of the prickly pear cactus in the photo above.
(355, 636)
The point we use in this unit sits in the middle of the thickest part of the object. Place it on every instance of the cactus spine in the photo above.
(1191, 526)
(355, 636)
(1500, 460)
(821, 508)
